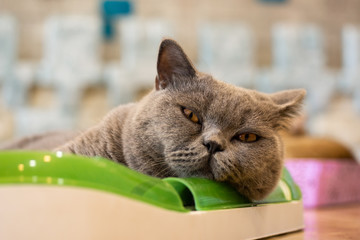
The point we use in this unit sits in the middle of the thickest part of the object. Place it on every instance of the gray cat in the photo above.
(192, 125)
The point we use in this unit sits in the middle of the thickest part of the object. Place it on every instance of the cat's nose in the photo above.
(213, 146)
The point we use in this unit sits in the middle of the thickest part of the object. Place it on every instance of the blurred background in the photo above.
(65, 63)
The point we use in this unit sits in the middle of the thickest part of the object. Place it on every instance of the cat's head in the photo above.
(193, 125)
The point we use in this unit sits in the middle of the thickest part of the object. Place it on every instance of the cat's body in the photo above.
(192, 125)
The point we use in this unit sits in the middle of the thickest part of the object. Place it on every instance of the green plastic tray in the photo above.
(179, 194)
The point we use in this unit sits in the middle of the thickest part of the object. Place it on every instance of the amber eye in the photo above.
(248, 137)
(191, 115)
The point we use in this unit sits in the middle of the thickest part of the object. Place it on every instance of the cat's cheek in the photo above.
(264, 190)
(191, 129)
(257, 187)
(252, 168)
(220, 170)
(266, 180)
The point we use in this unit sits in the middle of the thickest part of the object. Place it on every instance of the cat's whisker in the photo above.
(162, 168)
(163, 171)
(155, 164)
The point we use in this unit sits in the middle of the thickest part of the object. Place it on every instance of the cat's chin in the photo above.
(199, 173)
(207, 175)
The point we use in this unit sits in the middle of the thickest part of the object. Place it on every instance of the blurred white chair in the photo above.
(297, 46)
(16, 76)
(139, 45)
(8, 46)
(71, 60)
(226, 50)
(8, 53)
(71, 63)
(350, 73)
(350, 57)
(299, 62)
(16, 79)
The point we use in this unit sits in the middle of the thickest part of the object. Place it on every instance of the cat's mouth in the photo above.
(206, 170)
(202, 171)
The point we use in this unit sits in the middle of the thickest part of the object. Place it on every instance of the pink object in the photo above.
(326, 182)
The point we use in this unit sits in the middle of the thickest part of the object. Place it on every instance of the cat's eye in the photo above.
(191, 115)
(248, 137)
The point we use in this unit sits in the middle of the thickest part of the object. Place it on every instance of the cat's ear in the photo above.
(173, 64)
(288, 105)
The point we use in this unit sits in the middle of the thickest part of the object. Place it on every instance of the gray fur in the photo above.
(154, 137)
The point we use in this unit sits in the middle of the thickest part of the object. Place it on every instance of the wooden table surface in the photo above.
(337, 222)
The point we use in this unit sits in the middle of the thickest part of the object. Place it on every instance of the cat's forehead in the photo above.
(225, 104)
(219, 93)
(237, 105)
